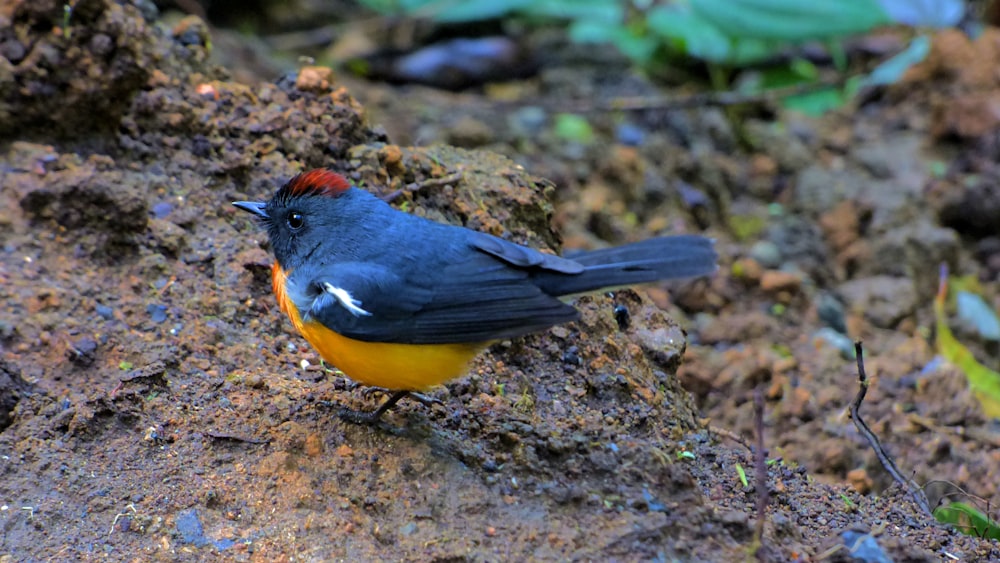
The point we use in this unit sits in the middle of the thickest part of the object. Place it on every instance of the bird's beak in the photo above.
(255, 207)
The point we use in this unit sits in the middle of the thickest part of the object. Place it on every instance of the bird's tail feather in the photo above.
(650, 260)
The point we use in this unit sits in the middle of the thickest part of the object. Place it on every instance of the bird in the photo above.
(405, 303)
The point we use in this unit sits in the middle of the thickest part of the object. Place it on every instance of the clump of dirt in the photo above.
(70, 69)
(92, 199)
(959, 83)
(12, 388)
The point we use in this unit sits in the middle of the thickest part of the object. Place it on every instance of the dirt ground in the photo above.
(155, 405)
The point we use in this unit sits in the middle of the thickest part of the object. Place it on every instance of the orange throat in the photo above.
(396, 366)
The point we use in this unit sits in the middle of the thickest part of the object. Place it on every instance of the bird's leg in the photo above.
(425, 400)
(359, 417)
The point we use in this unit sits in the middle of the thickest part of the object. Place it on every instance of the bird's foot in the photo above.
(369, 418)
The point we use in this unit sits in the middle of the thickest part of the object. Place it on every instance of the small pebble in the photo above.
(527, 121)
(837, 340)
(863, 547)
(157, 312)
(630, 135)
(692, 196)
(105, 312)
(13, 50)
(778, 280)
(101, 44)
(162, 209)
(82, 351)
(766, 253)
(831, 311)
(622, 317)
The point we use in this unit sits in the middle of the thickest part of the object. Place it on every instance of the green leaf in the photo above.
(638, 48)
(968, 520)
(804, 68)
(576, 10)
(816, 103)
(687, 32)
(572, 127)
(742, 475)
(984, 382)
(791, 20)
(476, 10)
(454, 11)
(594, 31)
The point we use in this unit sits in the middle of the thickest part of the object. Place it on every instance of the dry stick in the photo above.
(724, 433)
(915, 491)
(760, 462)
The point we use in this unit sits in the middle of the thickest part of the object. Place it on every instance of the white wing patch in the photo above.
(345, 298)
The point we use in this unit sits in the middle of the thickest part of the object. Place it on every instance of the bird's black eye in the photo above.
(295, 221)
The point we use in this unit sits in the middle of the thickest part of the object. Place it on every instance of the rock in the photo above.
(800, 242)
(819, 188)
(863, 547)
(860, 480)
(788, 151)
(82, 351)
(191, 531)
(527, 122)
(882, 300)
(168, 237)
(12, 388)
(831, 311)
(469, 132)
(915, 251)
(774, 281)
(766, 253)
(827, 336)
(318, 79)
(843, 227)
(88, 197)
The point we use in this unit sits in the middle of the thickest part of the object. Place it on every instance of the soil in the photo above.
(155, 404)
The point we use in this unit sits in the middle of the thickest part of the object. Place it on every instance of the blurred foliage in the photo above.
(984, 382)
(722, 33)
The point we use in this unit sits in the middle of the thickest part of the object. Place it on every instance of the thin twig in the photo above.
(915, 491)
(725, 433)
(760, 462)
(221, 436)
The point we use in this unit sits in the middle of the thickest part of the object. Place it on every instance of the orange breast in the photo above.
(404, 367)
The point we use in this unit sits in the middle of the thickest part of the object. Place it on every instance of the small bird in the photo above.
(405, 303)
